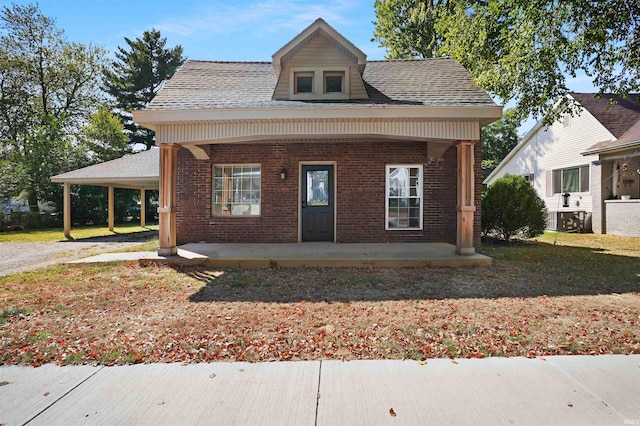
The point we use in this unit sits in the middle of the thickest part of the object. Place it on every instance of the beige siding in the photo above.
(251, 130)
(318, 52)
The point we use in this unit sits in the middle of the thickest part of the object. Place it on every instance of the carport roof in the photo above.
(135, 171)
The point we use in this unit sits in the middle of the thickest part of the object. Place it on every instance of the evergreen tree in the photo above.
(136, 76)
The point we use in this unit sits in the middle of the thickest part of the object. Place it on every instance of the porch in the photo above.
(321, 254)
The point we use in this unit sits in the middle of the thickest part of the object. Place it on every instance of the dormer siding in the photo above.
(318, 53)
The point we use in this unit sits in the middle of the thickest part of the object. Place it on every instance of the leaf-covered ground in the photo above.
(538, 298)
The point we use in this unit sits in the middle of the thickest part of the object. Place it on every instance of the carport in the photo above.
(136, 171)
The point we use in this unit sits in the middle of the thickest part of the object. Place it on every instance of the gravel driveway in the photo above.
(18, 257)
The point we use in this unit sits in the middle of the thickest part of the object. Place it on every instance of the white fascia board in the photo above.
(525, 139)
(137, 182)
(153, 118)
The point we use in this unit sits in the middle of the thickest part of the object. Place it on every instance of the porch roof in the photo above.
(135, 171)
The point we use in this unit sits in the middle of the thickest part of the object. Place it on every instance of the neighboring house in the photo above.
(320, 145)
(585, 166)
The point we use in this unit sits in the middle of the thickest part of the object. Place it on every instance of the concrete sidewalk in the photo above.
(552, 390)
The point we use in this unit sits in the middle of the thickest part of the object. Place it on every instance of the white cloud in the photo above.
(256, 17)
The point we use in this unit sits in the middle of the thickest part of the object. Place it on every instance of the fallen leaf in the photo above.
(422, 362)
(212, 375)
(393, 413)
(161, 402)
(453, 361)
(46, 393)
(569, 404)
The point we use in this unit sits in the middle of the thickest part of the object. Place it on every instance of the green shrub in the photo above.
(511, 208)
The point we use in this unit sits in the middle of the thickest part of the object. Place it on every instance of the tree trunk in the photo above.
(32, 197)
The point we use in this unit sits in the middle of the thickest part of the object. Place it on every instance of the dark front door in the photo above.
(317, 202)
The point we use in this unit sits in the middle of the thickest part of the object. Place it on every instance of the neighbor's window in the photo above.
(404, 197)
(236, 190)
(575, 179)
(333, 82)
(303, 82)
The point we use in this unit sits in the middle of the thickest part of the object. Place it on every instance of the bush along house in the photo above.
(320, 145)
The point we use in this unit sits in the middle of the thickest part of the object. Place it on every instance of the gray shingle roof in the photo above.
(428, 82)
(136, 170)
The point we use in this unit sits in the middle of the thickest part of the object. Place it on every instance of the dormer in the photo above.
(319, 64)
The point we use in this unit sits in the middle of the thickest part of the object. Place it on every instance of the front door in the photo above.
(317, 202)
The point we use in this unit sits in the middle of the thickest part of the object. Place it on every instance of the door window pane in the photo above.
(318, 187)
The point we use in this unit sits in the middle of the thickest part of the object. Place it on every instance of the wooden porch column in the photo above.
(110, 208)
(167, 208)
(66, 209)
(143, 208)
(466, 207)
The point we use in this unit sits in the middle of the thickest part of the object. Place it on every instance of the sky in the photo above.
(239, 30)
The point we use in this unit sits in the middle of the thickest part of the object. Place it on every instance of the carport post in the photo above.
(66, 210)
(143, 208)
(110, 208)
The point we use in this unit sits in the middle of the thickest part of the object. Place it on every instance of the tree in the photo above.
(136, 76)
(520, 50)
(498, 139)
(48, 86)
(511, 207)
(105, 136)
(407, 27)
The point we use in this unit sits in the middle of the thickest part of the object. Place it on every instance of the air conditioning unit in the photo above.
(572, 221)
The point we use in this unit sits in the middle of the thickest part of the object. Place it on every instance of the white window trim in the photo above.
(213, 191)
(318, 83)
(420, 196)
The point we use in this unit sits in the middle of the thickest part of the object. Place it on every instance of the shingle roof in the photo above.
(211, 84)
(617, 117)
(621, 118)
(136, 170)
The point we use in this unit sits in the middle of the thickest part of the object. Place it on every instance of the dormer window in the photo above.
(319, 83)
(333, 82)
(303, 82)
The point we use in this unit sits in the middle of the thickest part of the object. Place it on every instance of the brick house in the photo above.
(320, 145)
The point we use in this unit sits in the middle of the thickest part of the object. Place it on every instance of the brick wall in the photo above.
(360, 176)
(623, 217)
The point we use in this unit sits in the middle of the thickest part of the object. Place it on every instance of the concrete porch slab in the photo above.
(264, 255)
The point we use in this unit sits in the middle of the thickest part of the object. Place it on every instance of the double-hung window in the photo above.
(236, 190)
(574, 179)
(404, 197)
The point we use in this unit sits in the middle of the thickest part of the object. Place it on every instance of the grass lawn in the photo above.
(79, 233)
(577, 296)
